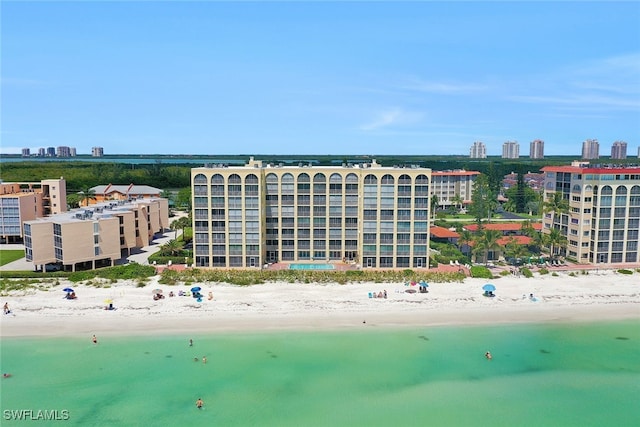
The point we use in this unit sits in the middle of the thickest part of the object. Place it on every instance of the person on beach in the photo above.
(210, 297)
(488, 355)
(199, 403)
(94, 339)
(6, 308)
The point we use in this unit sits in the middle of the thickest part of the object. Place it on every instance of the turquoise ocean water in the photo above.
(540, 375)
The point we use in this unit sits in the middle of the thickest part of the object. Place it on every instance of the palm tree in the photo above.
(466, 238)
(555, 239)
(86, 196)
(457, 201)
(434, 205)
(488, 241)
(556, 204)
(172, 248)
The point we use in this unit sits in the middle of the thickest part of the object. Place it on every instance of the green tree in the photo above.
(434, 205)
(520, 197)
(183, 198)
(555, 239)
(557, 205)
(487, 242)
(171, 248)
(483, 199)
(457, 201)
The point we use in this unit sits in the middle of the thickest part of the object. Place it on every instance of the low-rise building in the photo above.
(94, 237)
(25, 201)
(453, 187)
(103, 193)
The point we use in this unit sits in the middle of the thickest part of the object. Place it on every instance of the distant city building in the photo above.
(24, 201)
(619, 150)
(510, 150)
(590, 149)
(602, 224)
(478, 150)
(97, 152)
(453, 187)
(72, 151)
(51, 152)
(26, 152)
(536, 149)
(64, 151)
(89, 238)
(41, 152)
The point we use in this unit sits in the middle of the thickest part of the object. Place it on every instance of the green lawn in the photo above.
(8, 256)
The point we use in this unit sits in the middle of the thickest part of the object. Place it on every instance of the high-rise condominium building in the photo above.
(619, 150)
(64, 151)
(97, 151)
(41, 152)
(51, 152)
(478, 150)
(26, 152)
(590, 149)
(510, 150)
(367, 214)
(602, 224)
(536, 149)
(453, 187)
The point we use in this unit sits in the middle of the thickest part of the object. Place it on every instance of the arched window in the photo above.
(352, 178)
(404, 180)
(588, 188)
(272, 178)
(200, 179)
(303, 177)
(235, 179)
(422, 179)
(576, 188)
(621, 191)
(606, 190)
(370, 179)
(319, 178)
(287, 178)
(335, 178)
(635, 189)
(388, 179)
(251, 179)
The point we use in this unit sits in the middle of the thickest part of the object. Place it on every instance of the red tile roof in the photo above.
(443, 233)
(521, 240)
(455, 173)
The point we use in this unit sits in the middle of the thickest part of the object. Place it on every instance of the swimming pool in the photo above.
(311, 267)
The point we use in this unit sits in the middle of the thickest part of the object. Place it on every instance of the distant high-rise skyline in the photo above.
(478, 150)
(510, 150)
(536, 149)
(619, 150)
(590, 149)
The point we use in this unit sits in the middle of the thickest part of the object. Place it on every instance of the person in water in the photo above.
(190, 343)
(6, 375)
(94, 339)
(488, 355)
(204, 359)
(199, 403)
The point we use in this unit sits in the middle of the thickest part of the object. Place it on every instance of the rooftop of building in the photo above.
(259, 164)
(102, 210)
(443, 233)
(460, 172)
(125, 189)
(503, 226)
(598, 168)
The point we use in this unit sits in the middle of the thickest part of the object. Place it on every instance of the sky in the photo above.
(297, 77)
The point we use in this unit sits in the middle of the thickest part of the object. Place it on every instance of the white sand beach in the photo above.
(604, 295)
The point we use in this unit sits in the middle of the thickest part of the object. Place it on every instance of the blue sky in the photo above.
(319, 77)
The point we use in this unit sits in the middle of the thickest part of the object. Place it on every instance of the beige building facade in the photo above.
(365, 214)
(602, 225)
(95, 237)
(26, 201)
(449, 186)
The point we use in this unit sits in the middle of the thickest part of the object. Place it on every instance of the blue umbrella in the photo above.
(425, 284)
(68, 290)
(489, 287)
(196, 289)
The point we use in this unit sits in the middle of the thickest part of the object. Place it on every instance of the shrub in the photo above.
(504, 273)
(554, 274)
(479, 271)
(623, 271)
(543, 271)
(526, 272)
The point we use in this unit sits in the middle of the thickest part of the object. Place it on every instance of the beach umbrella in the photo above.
(68, 290)
(108, 301)
(157, 291)
(425, 284)
(489, 287)
(196, 289)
